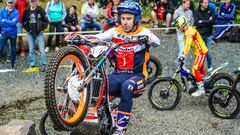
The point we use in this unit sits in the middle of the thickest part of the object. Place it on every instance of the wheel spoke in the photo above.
(164, 94)
(65, 71)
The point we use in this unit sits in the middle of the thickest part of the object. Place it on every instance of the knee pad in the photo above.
(128, 86)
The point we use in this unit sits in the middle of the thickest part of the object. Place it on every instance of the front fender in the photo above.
(80, 51)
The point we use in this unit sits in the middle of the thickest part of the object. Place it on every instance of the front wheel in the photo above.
(224, 102)
(164, 93)
(66, 102)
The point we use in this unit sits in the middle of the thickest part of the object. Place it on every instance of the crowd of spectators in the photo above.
(19, 14)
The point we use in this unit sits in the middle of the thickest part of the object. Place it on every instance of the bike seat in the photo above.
(214, 71)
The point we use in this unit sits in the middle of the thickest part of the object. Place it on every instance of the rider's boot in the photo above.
(122, 121)
(209, 69)
(200, 91)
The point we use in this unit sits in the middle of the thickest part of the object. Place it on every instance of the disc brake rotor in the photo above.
(73, 92)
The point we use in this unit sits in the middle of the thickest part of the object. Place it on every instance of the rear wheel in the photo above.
(47, 127)
(154, 69)
(219, 79)
(164, 93)
(65, 72)
(42, 126)
(224, 102)
(222, 79)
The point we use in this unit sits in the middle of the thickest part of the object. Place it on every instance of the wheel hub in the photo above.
(164, 94)
(73, 92)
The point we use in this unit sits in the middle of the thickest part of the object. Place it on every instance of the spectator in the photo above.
(163, 10)
(7, 50)
(204, 20)
(213, 6)
(35, 21)
(103, 3)
(183, 10)
(112, 22)
(56, 13)
(71, 20)
(176, 3)
(111, 8)
(20, 5)
(225, 16)
(90, 12)
(112, 14)
(8, 24)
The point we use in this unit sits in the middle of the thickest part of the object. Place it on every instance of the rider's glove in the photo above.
(181, 59)
(139, 39)
(143, 39)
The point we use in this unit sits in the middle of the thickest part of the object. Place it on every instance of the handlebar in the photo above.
(181, 63)
(236, 71)
(78, 40)
(74, 42)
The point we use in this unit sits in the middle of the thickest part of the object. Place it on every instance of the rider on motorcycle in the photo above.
(192, 39)
(130, 74)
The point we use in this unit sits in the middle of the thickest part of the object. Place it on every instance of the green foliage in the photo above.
(237, 20)
(2, 4)
(146, 11)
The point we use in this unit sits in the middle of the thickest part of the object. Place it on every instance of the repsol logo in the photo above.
(123, 37)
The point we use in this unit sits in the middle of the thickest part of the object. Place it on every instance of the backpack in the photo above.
(234, 35)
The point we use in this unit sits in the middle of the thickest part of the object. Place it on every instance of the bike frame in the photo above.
(103, 58)
(189, 77)
(92, 112)
(185, 74)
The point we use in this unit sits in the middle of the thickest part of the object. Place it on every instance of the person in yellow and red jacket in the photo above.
(192, 39)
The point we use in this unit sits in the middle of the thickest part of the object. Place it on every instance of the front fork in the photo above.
(105, 118)
(164, 94)
(225, 102)
(88, 79)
